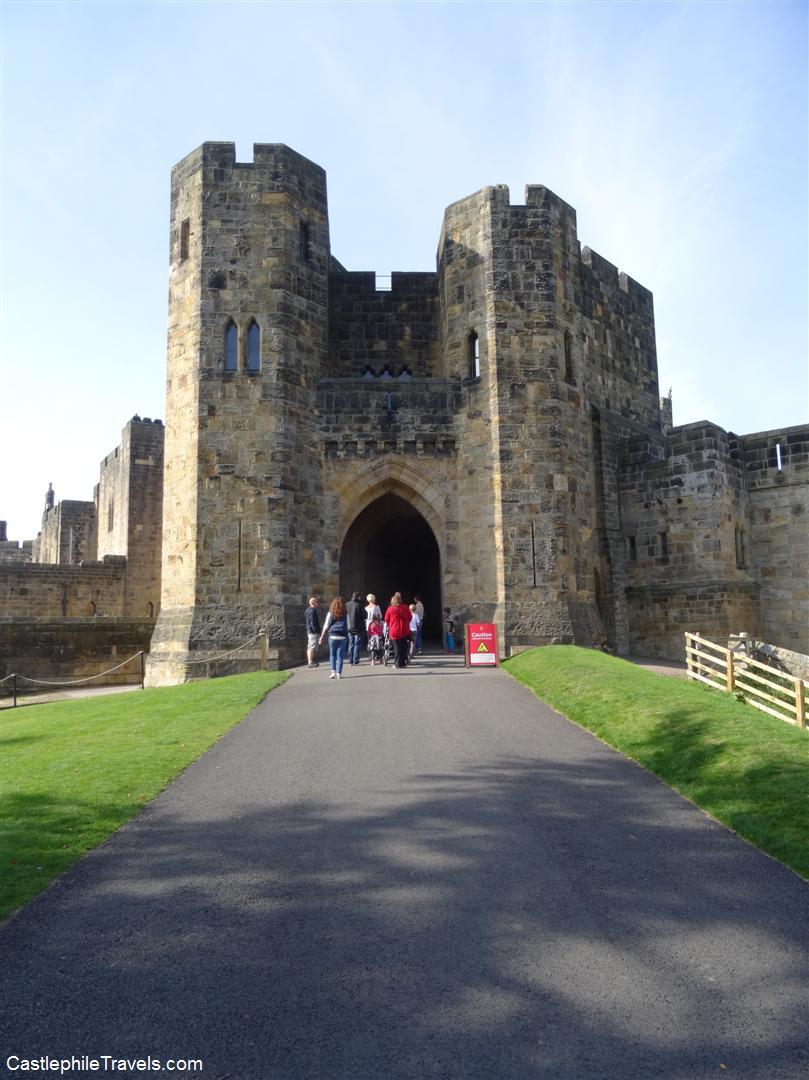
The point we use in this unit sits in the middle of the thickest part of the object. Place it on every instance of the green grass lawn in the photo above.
(73, 771)
(745, 768)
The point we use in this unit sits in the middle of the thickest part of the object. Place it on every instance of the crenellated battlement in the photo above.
(222, 155)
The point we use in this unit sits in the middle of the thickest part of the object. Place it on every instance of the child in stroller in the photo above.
(376, 640)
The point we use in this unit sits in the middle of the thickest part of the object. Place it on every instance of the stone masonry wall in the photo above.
(777, 542)
(681, 515)
(615, 336)
(472, 554)
(14, 551)
(659, 615)
(129, 498)
(68, 533)
(67, 649)
(33, 591)
(395, 329)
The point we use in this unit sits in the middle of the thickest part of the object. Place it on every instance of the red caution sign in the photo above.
(481, 645)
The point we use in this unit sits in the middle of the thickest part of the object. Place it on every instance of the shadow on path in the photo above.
(512, 920)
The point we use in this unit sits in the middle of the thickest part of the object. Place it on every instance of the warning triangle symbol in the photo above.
(482, 647)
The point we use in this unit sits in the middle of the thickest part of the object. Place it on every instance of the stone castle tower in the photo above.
(461, 434)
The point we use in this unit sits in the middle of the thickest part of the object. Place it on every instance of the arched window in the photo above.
(569, 358)
(253, 347)
(231, 347)
(473, 353)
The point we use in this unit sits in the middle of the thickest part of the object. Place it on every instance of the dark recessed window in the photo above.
(664, 545)
(631, 549)
(253, 346)
(473, 355)
(740, 546)
(305, 250)
(185, 239)
(568, 358)
(231, 347)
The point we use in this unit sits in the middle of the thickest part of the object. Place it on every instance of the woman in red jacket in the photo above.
(398, 619)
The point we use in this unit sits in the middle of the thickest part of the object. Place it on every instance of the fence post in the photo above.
(14, 685)
(264, 645)
(731, 680)
(800, 705)
(142, 670)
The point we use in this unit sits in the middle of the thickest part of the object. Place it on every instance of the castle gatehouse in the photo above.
(489, 435)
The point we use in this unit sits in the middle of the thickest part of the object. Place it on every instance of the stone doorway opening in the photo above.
(391, 547)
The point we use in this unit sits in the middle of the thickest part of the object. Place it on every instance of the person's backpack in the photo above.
(338, 628)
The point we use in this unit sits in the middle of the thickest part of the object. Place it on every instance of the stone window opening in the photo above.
(473, 354)
(741, 562)
(631, 549)
(253, 342)
(110, 515)
(231, 347)
(304, 246)
(569, 376)
(664, 545)
(185, 239)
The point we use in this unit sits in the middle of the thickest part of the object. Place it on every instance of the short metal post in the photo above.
(142, 670)
(14, 685)
(264, 648)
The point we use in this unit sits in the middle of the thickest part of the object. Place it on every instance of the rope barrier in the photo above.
(76, 682)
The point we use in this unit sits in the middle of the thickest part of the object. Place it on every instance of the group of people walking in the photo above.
(349, 626)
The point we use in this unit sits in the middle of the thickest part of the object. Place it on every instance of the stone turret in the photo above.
(247, 342)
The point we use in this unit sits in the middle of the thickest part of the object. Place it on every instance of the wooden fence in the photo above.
(774, 692)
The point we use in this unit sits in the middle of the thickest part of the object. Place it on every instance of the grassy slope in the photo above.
(747, 769)
(72, 772)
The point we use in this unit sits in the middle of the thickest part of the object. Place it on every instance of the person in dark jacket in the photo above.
(355, 613)
(312, 631)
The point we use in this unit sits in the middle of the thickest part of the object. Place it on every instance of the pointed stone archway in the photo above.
(388, 548)
(390, 538)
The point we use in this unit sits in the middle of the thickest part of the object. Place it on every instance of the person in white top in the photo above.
(420, 613)
(372, 610)
(415, 627)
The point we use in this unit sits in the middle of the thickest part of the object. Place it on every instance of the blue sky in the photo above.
(678, 131)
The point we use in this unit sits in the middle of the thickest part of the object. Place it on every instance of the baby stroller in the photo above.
(388, 653)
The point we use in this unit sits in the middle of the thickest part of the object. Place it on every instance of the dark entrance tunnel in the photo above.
(391, 547)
